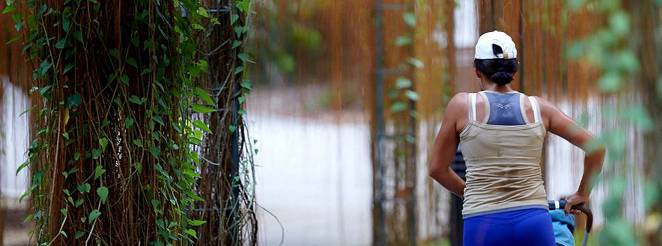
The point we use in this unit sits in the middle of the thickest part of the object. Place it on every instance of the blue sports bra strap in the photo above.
(472, 106)
(536, 109)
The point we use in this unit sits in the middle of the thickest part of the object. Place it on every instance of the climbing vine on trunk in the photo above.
(227, 175)
(114, 157)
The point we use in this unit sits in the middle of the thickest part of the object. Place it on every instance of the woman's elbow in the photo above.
(437, 172)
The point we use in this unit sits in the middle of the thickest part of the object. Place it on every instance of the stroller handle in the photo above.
(560, 204)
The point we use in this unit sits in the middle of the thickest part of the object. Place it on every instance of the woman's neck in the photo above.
(491, 86)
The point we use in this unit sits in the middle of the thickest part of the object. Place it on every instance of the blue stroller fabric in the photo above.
(563, 225)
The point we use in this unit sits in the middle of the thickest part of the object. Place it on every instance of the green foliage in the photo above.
(94, 92)
(609, 50)
(285, 31)
(403, 96)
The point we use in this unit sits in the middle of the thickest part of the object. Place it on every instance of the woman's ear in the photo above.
(478, 74)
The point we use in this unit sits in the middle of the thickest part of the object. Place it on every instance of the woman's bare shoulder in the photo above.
(458, 102)
(547, 108)
(457, 107)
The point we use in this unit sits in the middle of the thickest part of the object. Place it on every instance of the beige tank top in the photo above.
(503, 164)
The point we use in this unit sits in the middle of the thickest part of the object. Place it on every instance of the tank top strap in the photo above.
(536, 109)
(472, 106)
(487, 104)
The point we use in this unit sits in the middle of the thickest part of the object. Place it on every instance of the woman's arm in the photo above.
(563, 126)
(445, 146)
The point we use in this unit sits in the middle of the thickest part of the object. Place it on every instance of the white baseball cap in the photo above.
(495, 45)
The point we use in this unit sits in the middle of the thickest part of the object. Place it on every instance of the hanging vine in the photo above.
(113, 158)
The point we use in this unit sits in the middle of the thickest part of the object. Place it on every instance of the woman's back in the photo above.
(501, 134)
(503, 154)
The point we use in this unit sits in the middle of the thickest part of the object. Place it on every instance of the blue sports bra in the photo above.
(505, 108)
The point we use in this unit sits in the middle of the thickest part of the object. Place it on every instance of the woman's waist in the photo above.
(492, 196)
(503, 172)
(509, 213)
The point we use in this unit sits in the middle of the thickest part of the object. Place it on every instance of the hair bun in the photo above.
(502, 78)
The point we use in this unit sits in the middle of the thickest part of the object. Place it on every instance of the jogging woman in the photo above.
(501, 132)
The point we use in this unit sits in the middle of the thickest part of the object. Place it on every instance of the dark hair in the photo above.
(500, 71)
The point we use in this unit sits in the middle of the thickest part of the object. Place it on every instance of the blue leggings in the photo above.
(530, 226)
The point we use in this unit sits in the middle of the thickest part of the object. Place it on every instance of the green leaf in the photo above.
(124, 79)
(138, 142)
(8, 9)
(68, 67)
(243, 5)
(236, 44)
(137, 100)
(411, 95)
(203, 95)
(73, 101)
(627, 60)
(128, 122)
(114, 53)
(398, 107)
(238, 30)
(245, 58)
(66, 25)
(98, 171)
(156, 152)
(403, 83)
(410, 138)
(619, 22)
(79, 234)
(575, 4)
(93, 215)
(43, 68)
(232, 128)
(202, 11)
(138, 166)
(202, 65)
(132, 62)
(238, 69)
(22, 166)
(196, 222)
(201, 125)
(79, 202)
(84, 188)
(96, 153)
(415, 62)
(102, 192)
(61, 43)
(214, 21)
(639, 116)
(246, 84)
(403, 41)
(410, 19)
(610, 82)
(103, 142)
(78, 35)
(43, 91)
(191, 232)
(202, 109)
(198, 27)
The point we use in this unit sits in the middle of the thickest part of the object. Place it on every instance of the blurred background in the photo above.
(350, 94)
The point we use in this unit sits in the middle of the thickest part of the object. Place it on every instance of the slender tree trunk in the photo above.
(228, 207)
